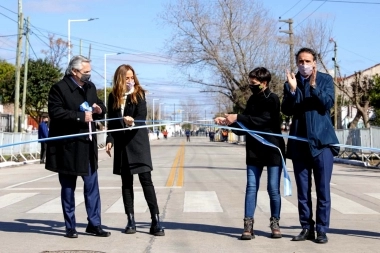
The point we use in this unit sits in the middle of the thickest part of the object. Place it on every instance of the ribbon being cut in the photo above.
(85, 107)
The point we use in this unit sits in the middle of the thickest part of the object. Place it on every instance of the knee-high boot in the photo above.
(129, 210)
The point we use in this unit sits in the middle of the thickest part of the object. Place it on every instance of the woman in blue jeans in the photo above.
(262, 113)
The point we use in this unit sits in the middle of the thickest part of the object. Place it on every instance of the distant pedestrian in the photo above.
(43, 132)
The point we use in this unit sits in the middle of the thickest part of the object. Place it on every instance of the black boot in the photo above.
(155, 228)
(131, 226)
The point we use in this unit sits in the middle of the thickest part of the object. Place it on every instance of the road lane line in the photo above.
(201, 202)
(13, 198)
(374, 195)
(34, 180)
(140, 205)
(180, 169)
(173, 171)
(347, 206)
(263, 203)
(55, 206)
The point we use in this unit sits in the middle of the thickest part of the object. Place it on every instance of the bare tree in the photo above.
(226, 38)
(191, 110)
(58, 49)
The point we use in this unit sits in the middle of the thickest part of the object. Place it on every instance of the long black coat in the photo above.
(131, 147)
(262, 113)
(71, 155)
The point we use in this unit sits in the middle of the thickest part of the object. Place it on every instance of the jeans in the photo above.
(253, 184)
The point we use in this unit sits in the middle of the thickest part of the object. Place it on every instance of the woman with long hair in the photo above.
(131, 146)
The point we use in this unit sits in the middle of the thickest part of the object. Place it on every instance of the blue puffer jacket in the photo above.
(310, 108)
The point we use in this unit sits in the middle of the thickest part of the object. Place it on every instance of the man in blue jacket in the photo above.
(43, 132)
(308, 97)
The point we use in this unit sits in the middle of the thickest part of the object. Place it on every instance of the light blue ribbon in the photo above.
(84, 107)
(287, 182)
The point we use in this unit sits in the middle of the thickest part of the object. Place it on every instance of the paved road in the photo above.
(200, 188)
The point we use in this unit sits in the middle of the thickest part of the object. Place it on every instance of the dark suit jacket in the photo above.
(71, 155)
(131, 147)
(310, 109)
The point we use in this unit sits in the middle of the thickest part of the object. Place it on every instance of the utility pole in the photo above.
(335, 84)
(89, 52)
(290, 42)
(26, 59)
(80, 47)
(18, 66)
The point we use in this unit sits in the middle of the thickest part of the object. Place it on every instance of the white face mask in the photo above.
(130, 85)
(305, 70)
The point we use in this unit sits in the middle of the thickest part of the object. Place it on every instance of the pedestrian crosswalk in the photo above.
(193, 202)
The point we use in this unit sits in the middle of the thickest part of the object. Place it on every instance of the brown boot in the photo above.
(275, 227)
(248, 233)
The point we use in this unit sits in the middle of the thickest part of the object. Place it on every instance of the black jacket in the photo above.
(71, 155)
(262, 113)
(131, 147)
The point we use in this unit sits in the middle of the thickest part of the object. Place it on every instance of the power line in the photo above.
(32, 49)
(311, 13)
(290, 8)
(302, 9)
(3, 36)
(8, 9)
(347, 2)
(8, 17)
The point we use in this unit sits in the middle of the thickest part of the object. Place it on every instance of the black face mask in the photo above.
(255, 89)
(85, 77)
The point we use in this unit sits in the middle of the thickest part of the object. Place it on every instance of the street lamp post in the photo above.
(159, 111)
(68, 34)
(153, 113)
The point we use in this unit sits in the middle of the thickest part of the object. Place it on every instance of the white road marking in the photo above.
(374, 195)
(30, 181)
(55, 206)
(264, 204)
(140, 204)
(201, 202)
(13, 198)
(347, 206)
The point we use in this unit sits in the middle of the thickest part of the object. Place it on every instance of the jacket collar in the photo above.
(72, 85)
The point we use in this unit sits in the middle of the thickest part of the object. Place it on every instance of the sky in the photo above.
(132, 28)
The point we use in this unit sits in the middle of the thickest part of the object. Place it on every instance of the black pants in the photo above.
(43, 151)
(148, 189)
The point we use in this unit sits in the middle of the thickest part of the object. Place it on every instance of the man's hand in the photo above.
(230, 118)
(108, 148)
(88, 116)
(220, 120)
(96, 109)
(291, 81)
(128, 120)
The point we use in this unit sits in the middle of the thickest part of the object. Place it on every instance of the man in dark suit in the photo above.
(73, 105)
(308, 97)
(43, 132)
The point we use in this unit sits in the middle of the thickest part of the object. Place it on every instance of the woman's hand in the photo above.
(108, 148)
(128, 121)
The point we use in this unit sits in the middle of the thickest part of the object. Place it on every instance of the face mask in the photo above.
(130, 85)
(85, 77)
(255, 88)
(305, 70)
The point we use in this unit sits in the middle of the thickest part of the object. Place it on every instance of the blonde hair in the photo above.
(119, 86)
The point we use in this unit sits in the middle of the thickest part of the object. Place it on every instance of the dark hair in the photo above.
(261, 74)
(307, 50)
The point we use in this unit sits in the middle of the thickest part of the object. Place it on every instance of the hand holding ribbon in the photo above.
(84, 107)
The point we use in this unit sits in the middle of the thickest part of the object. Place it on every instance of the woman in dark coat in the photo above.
(131, 146)
(262, 113)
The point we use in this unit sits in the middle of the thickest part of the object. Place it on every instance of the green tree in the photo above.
(374, 97)
(7, 81)
(41, 76)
